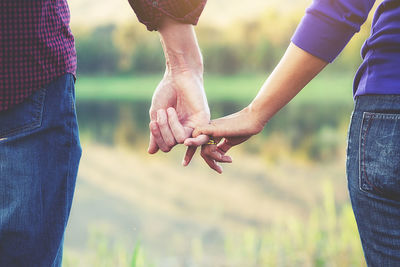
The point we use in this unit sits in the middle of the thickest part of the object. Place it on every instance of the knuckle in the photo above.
(152, 113)
(156, 133)
(153, 126)
(170, 143)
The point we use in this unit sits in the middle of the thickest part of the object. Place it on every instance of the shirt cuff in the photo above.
(321, 36)
(182, 10)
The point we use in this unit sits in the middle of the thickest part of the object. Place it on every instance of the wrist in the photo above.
(180, 47)
(183, 62)
(257, 114)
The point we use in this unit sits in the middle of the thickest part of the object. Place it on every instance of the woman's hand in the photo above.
(296, 68)
(228, 131)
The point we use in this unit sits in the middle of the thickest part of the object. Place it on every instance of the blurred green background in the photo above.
(283, 201)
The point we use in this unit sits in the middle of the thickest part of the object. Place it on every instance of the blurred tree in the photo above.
(97, 52)
(247, 46)
(222, 59)
(148, 58)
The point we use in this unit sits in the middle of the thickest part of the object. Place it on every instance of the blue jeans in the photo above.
(39, 157)
(373, 170)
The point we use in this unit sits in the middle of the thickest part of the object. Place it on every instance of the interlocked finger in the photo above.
(155, 131)
(166, 133)
(176, 127)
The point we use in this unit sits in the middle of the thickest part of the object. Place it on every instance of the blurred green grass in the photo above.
(313, 123)
(327, 87)
(327, 238)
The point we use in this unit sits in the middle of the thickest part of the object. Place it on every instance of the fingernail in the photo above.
(184, 163)
(220, 169)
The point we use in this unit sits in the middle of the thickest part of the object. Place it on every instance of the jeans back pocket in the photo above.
(380, 154)
(22, 117)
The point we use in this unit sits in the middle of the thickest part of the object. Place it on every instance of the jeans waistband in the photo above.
(378, 103)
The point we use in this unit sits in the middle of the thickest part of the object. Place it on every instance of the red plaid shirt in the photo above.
(37, 46)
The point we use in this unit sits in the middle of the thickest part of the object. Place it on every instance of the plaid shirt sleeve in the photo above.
(150, 12)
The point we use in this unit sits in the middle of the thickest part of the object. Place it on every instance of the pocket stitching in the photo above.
(35, 124)
(368, 118)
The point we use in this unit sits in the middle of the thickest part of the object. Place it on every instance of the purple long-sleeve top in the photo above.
(330, 24)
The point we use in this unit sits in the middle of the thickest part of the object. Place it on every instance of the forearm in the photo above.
(181, 50)
(179, 103)
(295, 70)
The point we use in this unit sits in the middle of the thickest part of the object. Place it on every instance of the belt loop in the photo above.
(356, 102)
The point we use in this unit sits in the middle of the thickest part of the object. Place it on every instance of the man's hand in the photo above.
(179, 103)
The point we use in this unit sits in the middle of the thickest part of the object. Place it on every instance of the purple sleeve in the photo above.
(329, 25)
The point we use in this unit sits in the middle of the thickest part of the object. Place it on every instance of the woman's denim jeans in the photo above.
(39, 157)
(373, 170)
